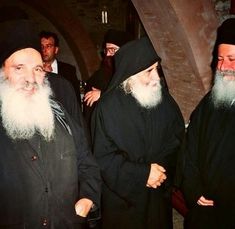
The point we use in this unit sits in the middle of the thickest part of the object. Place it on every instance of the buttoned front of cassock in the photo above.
(39, 184)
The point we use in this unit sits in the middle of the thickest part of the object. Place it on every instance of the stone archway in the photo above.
(73, 32)
(183, 33)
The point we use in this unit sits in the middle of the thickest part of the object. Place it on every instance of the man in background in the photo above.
(49, 51)
(99, 81)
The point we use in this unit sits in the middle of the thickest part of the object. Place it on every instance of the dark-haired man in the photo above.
(49, 51)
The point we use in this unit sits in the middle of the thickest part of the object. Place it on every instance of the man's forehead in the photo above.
(48, 40)
(226, 48)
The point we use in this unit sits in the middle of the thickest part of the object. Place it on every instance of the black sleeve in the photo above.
(88, 170)
(122, 176)
(64, 93)
(191, 184)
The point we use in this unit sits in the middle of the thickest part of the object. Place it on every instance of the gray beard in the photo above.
(223, 91)
(23, 116)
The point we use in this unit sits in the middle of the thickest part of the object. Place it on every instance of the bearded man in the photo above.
(209, 181)
(48, 176)
(137, 131)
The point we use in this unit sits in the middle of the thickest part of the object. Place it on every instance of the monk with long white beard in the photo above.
(148, 92)
(25, 97)
(208, 180)
(137, 132)
(49, 179)
(223, 92)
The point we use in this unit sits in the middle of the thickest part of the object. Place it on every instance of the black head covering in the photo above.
(226, 32)
(225, 35)
(16, 35)
(133, 57)
(117, 37)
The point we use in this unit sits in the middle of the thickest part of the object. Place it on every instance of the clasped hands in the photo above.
(156, 176)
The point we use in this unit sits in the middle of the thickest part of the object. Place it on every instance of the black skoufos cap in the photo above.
(117, 37)
(226, 32)
(16, 35)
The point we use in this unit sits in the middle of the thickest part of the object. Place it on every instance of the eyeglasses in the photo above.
(110, 50)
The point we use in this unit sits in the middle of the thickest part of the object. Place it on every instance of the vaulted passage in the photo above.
(182, 32)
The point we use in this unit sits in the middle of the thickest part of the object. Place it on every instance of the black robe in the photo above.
(41, 181)
(64, 93)
(100, 80)
(210, 166)
(127, 139)
(68, 71)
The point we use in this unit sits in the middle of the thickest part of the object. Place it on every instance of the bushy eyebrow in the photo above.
(39, 66)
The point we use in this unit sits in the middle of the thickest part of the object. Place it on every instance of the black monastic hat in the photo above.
(117, 37)
(226, 32)
(16, 35)
(133, 57)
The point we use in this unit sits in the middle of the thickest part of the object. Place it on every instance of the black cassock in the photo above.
(41, 181)
(210, 166)
(127, 139)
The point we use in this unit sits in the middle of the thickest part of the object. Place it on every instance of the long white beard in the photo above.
(148, 96)
(223, 91)
(23, 116)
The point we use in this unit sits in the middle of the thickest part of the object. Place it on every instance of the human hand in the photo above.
(83, 206)
(156, 176)
(92, 96)
(205, 202)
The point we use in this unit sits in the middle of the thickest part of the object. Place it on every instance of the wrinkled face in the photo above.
(226, 61)
(111, 49)
(145, 87)
(24, 70)
(48, 49)
(149, 76)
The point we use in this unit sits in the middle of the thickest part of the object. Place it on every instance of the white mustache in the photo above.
(24, 116)
(28, 85)
(226, 72)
